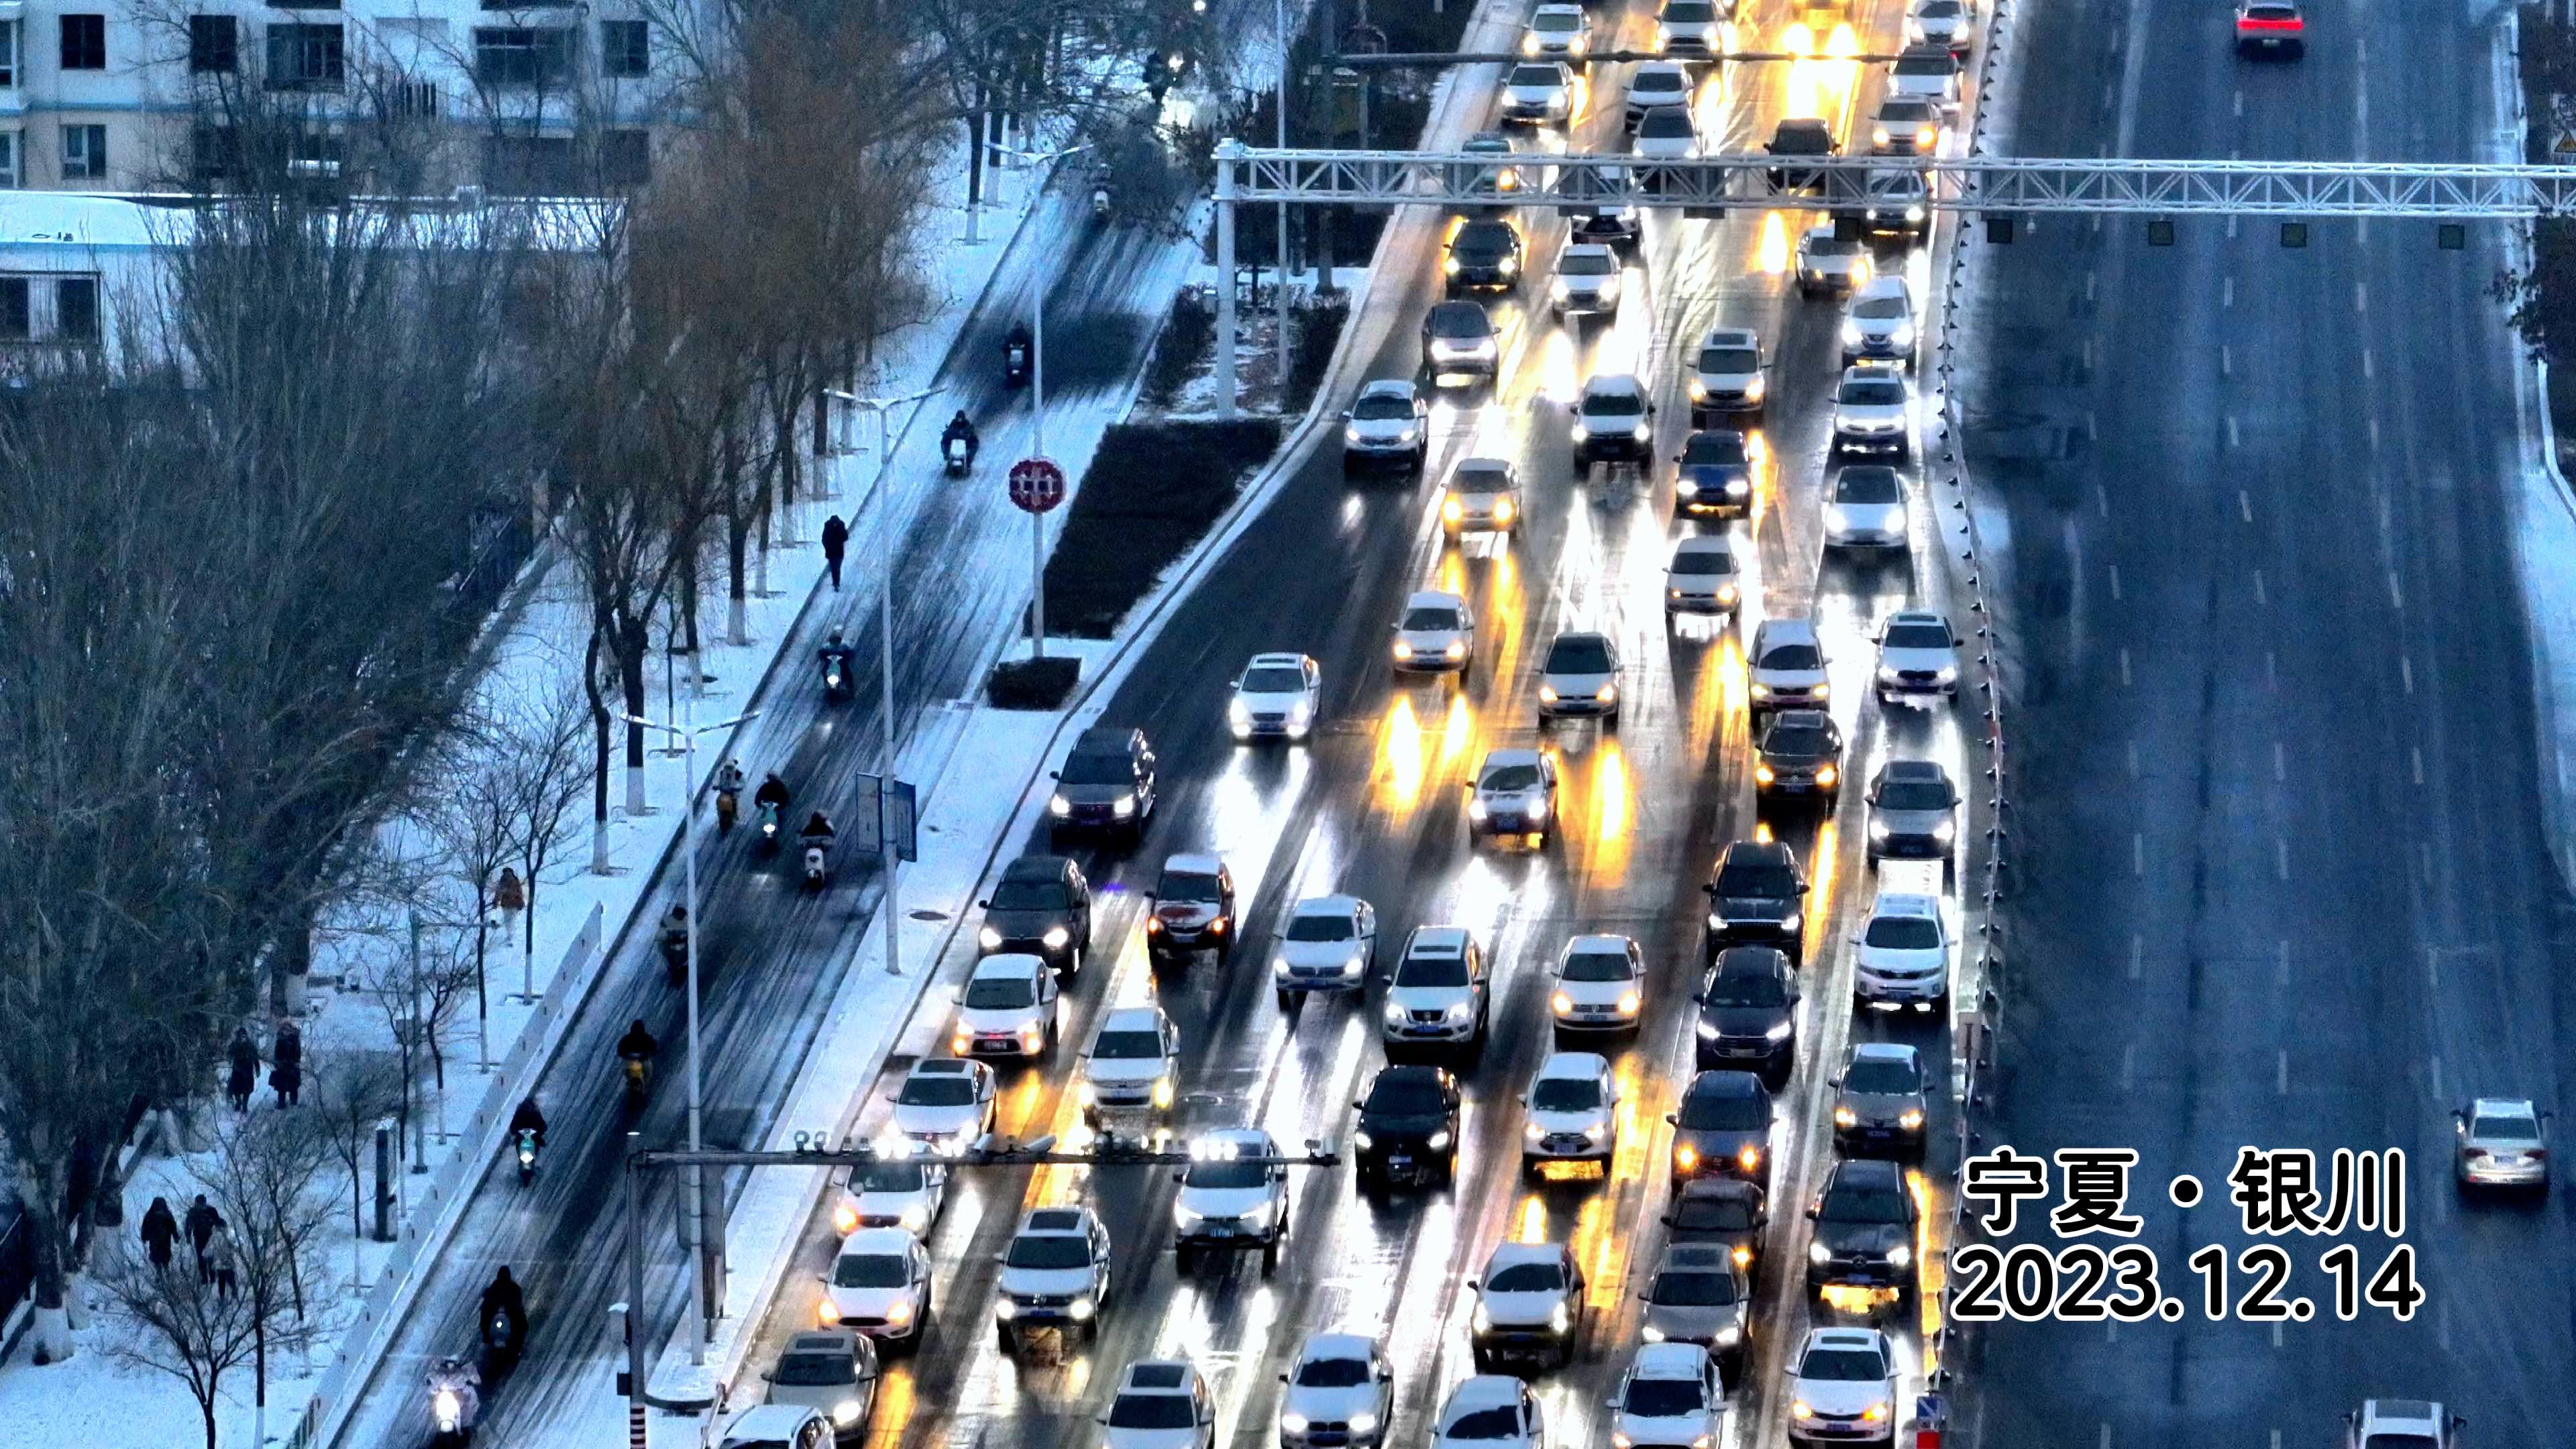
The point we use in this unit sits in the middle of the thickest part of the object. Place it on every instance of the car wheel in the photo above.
(1006, 1340)
(1287, 1000)
(1270, 1257)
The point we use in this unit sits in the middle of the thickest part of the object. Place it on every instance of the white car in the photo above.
(1872, 410)
(1690, 27)
(1580, 678)
(892, 1192)
(831, 1371)
(1600, 985)
(2504, 1142)
(1387, 422)
(1572, 1112)
(1939, 22)
(1842, 1388)
(1483, 496)
(1702, 578)
(1439, 995)
(1906, 126)
(1880, 323)
(1055, 1274)
(1929, 71)
(1229, 1198)
(1918, 658)
(1865, 512)
(1160, 1404)
(1436, 633)
(1008, 1009)
(1490, 1411)
(1538, 93)
(1328, 943)
(1276, 696)
(1666, 133)
(767, 1426)
(1340, 1392)
(880, 1286)
(1727, 374)
(1830, 263)
(2400, 1424)
(1587, 280)
(1671, 1398)
(1133, 1065)
(1558, 32)
(1658, 83)
(1613, 418)
(1514, 794)
(945, 1105)
(1902, 955)
(1529, 1303)
(1786, 667)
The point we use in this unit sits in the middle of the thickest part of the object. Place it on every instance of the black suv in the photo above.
(1748, 1013)
(1801, 753)
(1799, 136)
(1408, 1127)
(1864, 1230)
(1722, 1128)
(1757, 895)
(1484, 256)
(1040, 906)
(1106, 785)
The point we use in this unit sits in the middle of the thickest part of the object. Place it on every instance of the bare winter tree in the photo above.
(267, 1182)
(177, 1324)
(419, 986)
(349, 1093)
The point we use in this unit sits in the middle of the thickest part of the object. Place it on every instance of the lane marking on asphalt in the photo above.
(2124, 668)
(2231, 226)
(2416, 753)
(2137, 853)
(2374, 435)
(2442, 1319)
(2240, 104)
(2281, 1072)
(2281, 856)
(2128, 1065)
(2226, 360)
(2106, 1436)
(2280, 761)
(2115, 583)
(2245, 505)
(2227, 291)
(2368, 367)
(2396, 595)
(2133, 759)
(2433, 967)
(2232, 439)
(2272, 670)
(2101, 495)
(2110, 95)
(2091, 281)
(2137, 955)
(2425, 848)
(2276, 1334)
(2093, 434)
(2361, 296)
(2258, 588)
(2281, 972)
(2088, 354)
(2406, 673)
(2433, 1068)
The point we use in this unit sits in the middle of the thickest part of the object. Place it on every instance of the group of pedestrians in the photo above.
(209, 1236)
(285, 1072)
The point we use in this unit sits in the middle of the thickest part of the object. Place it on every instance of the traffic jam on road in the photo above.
(1554, 1048)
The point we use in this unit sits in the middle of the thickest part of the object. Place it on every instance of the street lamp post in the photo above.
(688, 731)
(892, 910)
(1281, 7)
(1037, 404)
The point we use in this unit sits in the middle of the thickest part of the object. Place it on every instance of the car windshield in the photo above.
(1127, 1046)
(1713, 449)
(1938, 9)
(1431, 971)
(1776, 881)
(1916, 794)
(1792, 656)
(1886, 1078)
(871, 1270)
(1405, 1099)
(1320, 926)
(1152, 1411)
(1579, 656)
(1842, 1365)
(941, 1091)
(1189, 885)
(1598, 966)
(1534, 75)
(1557, 24)
(1228, 1176)
(1918, 636)
(1905, 108)
(1000, 993)
(2505, 1127)
(1430, 621)
(1097, 770)
(2273, 12)
(1029, 895)
(1728, 359)
(1049, 1251)
(1849, 1204)
(1879, 309)
(1609, 403)
(1747, 988)
(1565, 1094)
(1664, 1398)
(1658, 82)
(1455, 322)
(1924, 65)
(1870, 485)
(1527, 1278)
(1490, 240)
(1332, 1373)
(1666, 123)
(1678, 1288)
(1689, 12)
(1380, 408)
(1588, 264)
(1723, 1111)
(1829, 245)
(815, 1370)
(1704, 561)
(1789, 739)
(1502, 1422)
(1903, 933)
(1729, 1214)
(889, 1177)
(2401, 1441)
(1510, 777)
(1274, 679)
(1871, 392)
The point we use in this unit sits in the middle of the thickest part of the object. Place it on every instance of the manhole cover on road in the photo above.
(930, 915)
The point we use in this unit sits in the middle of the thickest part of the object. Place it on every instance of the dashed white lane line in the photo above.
(2442, 1315)
(2240, 104)
(2361, 296)
(2106, 1436)
(2245, 505)
(2433, 968)
(2258, 588)
(2133, 759)
(2233, 440)
(2396, 595)
(2231, 226)
(2424, 850)
(2115, 583)
(2092, 428)
(2368, 367)
(2272, 670)
(2102, 499)
(2281, 857)
(2128, 1066)
(2281, 1072)
(2406, 673)
(2124, 668)
(2276, 1335)
(2088, 355)
(2137, 854)
(2227, 291)
(2415, 754)
(2137, 955)
(2226, 360)
(2091, 281)
(2374, 435)
(2281, 956)
(2110, 94)
(2433, 1070)
(2280, 761)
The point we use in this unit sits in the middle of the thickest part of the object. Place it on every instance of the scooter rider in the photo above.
(728, 792)
(528, 1119)
(675, 931)
(635, 1051)
(502, 1297)
(1018, 351)
(836, 654)
(961, 427)
(772, 794)
(460, 1377)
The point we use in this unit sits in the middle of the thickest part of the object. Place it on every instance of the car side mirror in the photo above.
(1346, 414)
(983, 905)
(1283, 1378)
(1673, 1118)
(1181, 1176)
(1834, 1081)
(1812, 1211)
(1802, 888)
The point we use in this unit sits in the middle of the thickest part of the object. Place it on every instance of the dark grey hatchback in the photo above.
(1748, 1013)
(1723, 1128)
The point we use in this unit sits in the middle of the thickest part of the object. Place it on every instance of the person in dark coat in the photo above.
(202, 1222)
(287, 1079)
(836, 542)
(289, 1049)
(160, 1231)
(245, 1072)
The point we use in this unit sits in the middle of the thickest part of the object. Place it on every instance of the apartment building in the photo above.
(546, 97)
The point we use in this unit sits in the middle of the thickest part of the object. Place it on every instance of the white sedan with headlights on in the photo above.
(1231, 1198)
(1918, 658)
(1600, 985)
(1008, 1009)
(1340, 1394)
(945, 1105)
(2503, 1143)
(1483, 495)
(880, 1286)
(1828, 262)
(1387, 423)
(1727, 374)
(1529, 1304)
(832, 1371)
(1275, 697)
(1613, 418)
(1328, 943)
(1514, 794)
(1133, 1064)
(1880, 323)
(1702, 578)
(1558, 32)
(1587, 281)
(1672, 1398)
(1901, 957)
(1842, 1388)
(1872, 413)
(1435, 634)
(1865, 511)
(1572, 1110)
(1579, 679)
(1538, 93)
(897, 1190)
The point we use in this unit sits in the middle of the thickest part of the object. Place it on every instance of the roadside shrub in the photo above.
(1033, 683)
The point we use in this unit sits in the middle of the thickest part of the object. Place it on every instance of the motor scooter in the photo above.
(837, 684)
(768, 840)
(814, 871)
(453, 1402)
(959, 453)
(527, 1149)
(1015, 362)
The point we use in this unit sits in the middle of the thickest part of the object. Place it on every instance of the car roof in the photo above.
(1914, 772)
(1873, 372)
(1437, 941)
(1108, 740)
(876, 1242)
(1724, 1082)
(1887, 1051)
(1747, 959)
(1512, 1255)
(1556, 10)
(1237, 1141)
(1600, 941)
(1918, 616)
(1793, 125)
(1485, 1391)
(1586, 249)
(1285, 661)
(1133, 1018)
(1388, 387)
(1509, 757)
(1574, 1064)
(1489, 139)
(2398, 1413)
(1758, 852)
(1482, 465)
(945, 1067)
(1194, 863)
(1412, 1072)
(1696, 1257)
(1729, 1188)
(1884, 286)
(1866, 1172)
(1670, 1361)
(1573, 634)
(1613, 382)
(1156, 1375)
(1036, 867)
(1904, 903)
(1844, 1338)
(1802, 719)
(1336, 1345)
(1327, 906)
(1007, 966)
(1899, 104)
(1703, 543)
(1672, 68)
(1055, 1220)
(1730, 337)
(1460, 309)
(2504, 1106)
(1433, 599)
(823, 1340)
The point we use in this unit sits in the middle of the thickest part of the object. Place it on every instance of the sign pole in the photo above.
(1037, 486)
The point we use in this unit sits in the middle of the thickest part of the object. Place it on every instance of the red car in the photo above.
(2270, 27)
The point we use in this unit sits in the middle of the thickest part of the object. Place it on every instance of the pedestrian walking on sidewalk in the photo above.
(836, 542)
(289, 1047)
(287, 1079)
(160, 1231)
(220, 1258)
(245, 1070)
(202, 1222)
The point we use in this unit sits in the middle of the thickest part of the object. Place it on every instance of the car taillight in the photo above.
(2259, 22)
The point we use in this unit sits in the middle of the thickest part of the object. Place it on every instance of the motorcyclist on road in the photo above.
(528, 1119)
(838, 649)
(461, 1376)
(638, 1044)
(675, 929)
(818, 829)
(960, 426)
(729, 778)
(1021, 339)
(772, 793)
(502, 1296)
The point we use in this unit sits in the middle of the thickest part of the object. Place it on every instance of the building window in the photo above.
(625, 49)
(76, 309)
(84, 42)
(49, 307)
(626, 158)
(529, 166)
(408, 98)
(12, 161)
(214, 45)
(214, 153)
(17, 309)
(304, 57)
(84, 153)
(8, 52)
(522, 55)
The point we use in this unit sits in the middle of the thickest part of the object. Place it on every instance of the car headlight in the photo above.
(1123, 806)
(1363, 1422)
(1395, 1013)
(1547, 694)
(1438, 1141)
(1088, 1094)
(1708, 1029)
(845, 1413)
(1482, 1321)
(1449, 265)
(1762, 774)
(1912, 213)
(1943, 831)
(1561, 1003)
(1363, 1141)
(913, 1219)
(1629, 1002)
(1779, 1030)
(827, 1313)
(1005, 1309)
(1457, 648)
(899, 1312)
(960, 1043)
(1903, 336)
(1793, 922)
(1530, 1131)
(1595, 1132)
(1409, 435)
(1057, 938)
(1651, 1334)
(1579, 431)
(989, 939)
(1760, 690)
(1452, 509)
(1826, 775)
(1798, 1410)
(1292, 1422)
(1900, 1256)
(1529, 44)
(1851, 334)
(1875, 1413)
(1923, 138)
(1749, 1156)
(845, 1219)
(1878, 135)
(1402, 649)
(1081, 1310)
(1823, 690)
(1911, 1119)
(1163, 1090)
(1558, 289)
(1846, 1117)
(1508, 265)
(1643, 432)
(1685, 487)
(1620, 1440)
(1559, 1319)
(1698, 390)
(1458, 1012)
(1537, 812)
(1888, 674)
(1058, 805)
(1355, 965)
(1031, 1035)
(1685, 1157)
(1726, 593)
(1606, 694)
(1836, 519)
(1753, 390)
(1819, 1253)
(1946, 674)
(1476, 808)
(1351, 431)
(1185, 1217)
